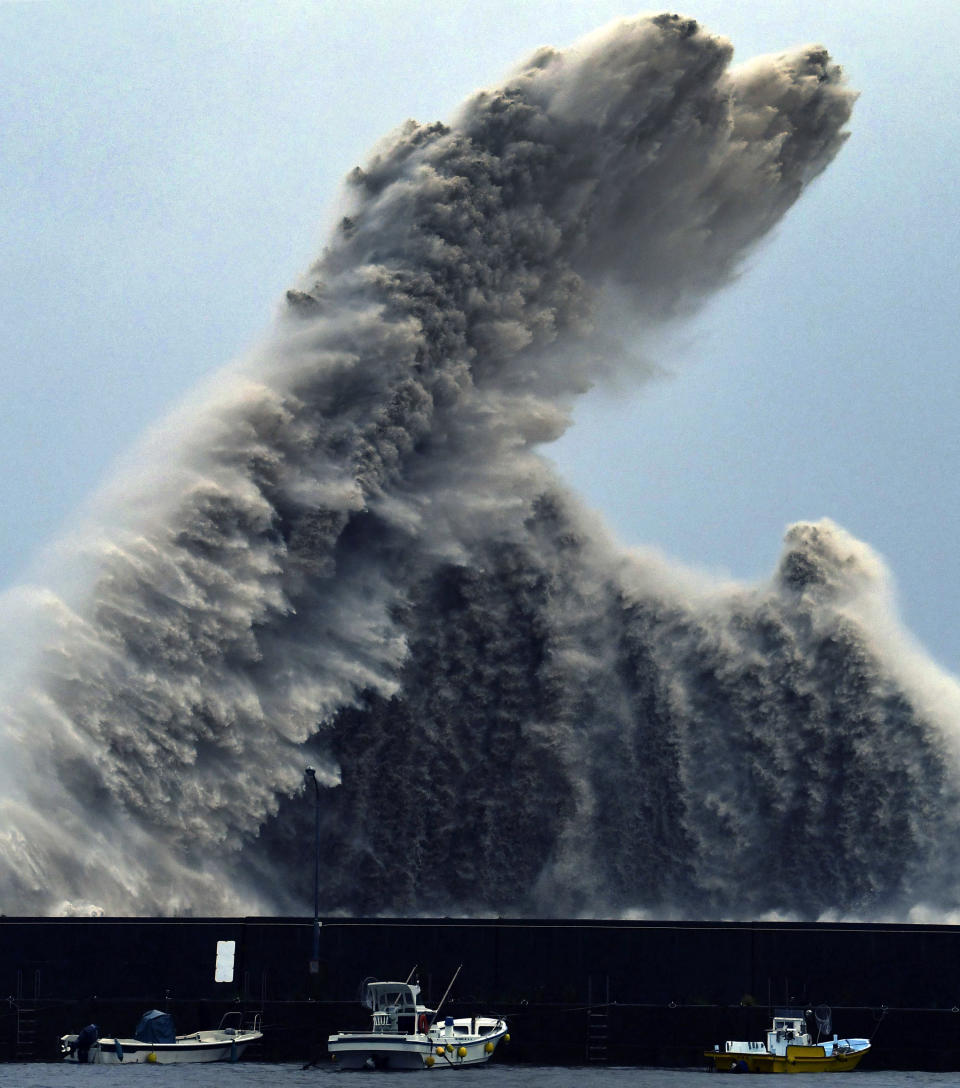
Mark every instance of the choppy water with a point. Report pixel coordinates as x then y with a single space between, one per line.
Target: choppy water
261 1075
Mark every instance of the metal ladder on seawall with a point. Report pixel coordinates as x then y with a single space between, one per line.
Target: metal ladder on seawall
27 1018
253 1051
254 1020
26 1033
597 1020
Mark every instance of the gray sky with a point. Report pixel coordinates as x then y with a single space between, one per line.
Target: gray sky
168 169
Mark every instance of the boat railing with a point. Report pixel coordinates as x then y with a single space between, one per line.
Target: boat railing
235 1022
231 1021
382 1021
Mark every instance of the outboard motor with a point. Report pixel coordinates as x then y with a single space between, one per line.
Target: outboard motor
85 1040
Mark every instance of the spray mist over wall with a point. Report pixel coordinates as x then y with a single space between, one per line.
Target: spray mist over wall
353 555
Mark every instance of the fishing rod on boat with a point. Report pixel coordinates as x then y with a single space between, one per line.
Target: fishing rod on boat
436 1011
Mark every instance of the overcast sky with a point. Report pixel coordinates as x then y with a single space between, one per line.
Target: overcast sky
169 169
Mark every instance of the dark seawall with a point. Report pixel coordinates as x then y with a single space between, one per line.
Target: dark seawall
574 991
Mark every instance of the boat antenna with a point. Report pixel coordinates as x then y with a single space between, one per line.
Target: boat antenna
436 1011
410 976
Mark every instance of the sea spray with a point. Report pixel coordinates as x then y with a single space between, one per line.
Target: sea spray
354 556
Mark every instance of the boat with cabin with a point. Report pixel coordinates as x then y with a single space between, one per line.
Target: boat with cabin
406 1034
790 1048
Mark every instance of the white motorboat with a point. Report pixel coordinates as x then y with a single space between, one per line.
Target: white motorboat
406 1034
155 1041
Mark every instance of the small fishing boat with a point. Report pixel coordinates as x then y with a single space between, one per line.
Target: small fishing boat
789 1048
155 1041
406 1034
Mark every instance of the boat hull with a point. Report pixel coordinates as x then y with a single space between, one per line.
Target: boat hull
797 1059
434 1050
204 1047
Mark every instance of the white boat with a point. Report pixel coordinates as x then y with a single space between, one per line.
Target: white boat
406 1034
155 1041
789 1048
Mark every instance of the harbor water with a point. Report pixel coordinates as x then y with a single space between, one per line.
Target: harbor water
264 1075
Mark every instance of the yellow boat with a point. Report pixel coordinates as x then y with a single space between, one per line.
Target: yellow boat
788 1048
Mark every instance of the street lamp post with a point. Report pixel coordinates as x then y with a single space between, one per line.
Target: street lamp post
311 776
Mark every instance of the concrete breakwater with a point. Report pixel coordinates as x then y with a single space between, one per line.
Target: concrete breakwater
575 991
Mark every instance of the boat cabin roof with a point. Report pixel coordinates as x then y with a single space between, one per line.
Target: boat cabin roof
783 1023
382 995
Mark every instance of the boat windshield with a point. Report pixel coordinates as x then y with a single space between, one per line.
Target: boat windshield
783 1023
789 1020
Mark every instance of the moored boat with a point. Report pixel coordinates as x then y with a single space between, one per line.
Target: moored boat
789 1048
405 1034
155 1041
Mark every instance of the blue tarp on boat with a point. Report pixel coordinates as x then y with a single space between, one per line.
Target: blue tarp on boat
156 1027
